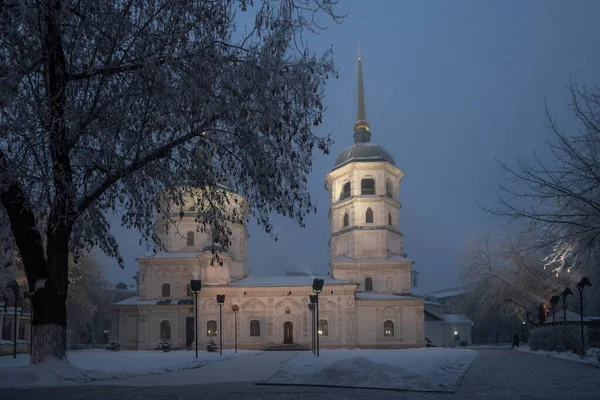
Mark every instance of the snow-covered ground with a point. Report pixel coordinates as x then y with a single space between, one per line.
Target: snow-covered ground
592 356
435 369
97 364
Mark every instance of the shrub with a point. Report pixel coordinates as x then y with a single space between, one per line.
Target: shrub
164 345
113 345
556 338
211 346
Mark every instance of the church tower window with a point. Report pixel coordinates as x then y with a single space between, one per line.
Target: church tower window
211 328
165 330
345 191
369 216
346 220
368 284
165 290
389 189
390 219
255 327
388 328
367 186
190 238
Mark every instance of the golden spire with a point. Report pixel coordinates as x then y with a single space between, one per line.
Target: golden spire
361 115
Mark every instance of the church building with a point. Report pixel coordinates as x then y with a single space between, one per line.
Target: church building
366 300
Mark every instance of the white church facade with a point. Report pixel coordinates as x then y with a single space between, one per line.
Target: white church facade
366 300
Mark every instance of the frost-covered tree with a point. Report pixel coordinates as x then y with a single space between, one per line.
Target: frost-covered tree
119 106
508 277
559 197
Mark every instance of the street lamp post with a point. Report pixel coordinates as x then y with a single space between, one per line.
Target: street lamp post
580 286
564 295
196 286
14 285
523 333
553 302
317 287
221 301
311 307
235 310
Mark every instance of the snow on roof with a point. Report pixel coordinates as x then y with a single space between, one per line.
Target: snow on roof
442 294
345 259
432 303
457 318
135 300
302 280
380 296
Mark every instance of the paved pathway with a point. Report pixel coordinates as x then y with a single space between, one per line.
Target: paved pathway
494 375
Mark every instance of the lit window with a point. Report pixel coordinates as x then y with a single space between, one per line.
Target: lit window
323 328
211 328
388 328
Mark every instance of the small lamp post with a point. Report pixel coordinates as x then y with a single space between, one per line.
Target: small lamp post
580 286
554 302
564 295
317 287
311 307
235 310
196 286
523 332
220 302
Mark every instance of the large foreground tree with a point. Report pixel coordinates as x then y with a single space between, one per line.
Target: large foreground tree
118 106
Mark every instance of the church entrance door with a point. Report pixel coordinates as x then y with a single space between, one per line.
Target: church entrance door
288 333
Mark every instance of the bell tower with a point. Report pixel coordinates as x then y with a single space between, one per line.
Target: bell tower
366 245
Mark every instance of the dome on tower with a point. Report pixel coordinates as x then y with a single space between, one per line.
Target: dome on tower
363 150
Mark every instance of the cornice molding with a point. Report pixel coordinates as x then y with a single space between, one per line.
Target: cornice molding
365 229
365 199
373 265
365 166
379 303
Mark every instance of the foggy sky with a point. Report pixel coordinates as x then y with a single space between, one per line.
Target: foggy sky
450 86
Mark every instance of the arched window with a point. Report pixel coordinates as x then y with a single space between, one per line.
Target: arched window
388 328
367 186
190 238
346 219
165 290
165 330
255 327
345 191
369 216
211 328
390 219
368 284
323 328
389 189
